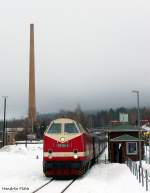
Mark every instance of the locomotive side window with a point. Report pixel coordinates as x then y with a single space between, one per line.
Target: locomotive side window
55 128
70 128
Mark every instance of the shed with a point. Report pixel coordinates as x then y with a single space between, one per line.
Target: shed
123 142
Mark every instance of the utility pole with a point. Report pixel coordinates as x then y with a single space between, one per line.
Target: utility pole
4 123
138 116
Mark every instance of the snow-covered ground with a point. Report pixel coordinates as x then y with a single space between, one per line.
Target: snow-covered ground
21 172
20 168
107 178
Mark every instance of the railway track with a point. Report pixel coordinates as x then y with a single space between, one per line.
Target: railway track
67 186
54 186
39 188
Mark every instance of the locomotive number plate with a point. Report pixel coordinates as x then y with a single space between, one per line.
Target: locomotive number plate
62 145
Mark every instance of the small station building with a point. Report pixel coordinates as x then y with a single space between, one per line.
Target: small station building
123 142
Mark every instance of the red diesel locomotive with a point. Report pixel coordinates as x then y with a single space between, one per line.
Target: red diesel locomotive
69 149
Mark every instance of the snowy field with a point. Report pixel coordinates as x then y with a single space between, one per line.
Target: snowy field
21 172
20 168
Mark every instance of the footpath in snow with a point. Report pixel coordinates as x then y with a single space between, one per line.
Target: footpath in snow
107 178
21 172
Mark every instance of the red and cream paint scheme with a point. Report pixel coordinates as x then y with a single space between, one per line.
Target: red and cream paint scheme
67 153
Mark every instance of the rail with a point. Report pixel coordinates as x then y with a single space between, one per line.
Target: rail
39 188
68 185
47 183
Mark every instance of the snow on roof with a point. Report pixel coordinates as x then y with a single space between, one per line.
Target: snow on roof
15 129
146 128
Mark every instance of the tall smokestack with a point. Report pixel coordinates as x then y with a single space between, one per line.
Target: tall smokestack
32 107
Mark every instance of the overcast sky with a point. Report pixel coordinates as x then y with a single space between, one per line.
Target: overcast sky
92 52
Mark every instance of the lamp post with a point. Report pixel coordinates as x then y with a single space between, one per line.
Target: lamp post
138 116
149 148
4 123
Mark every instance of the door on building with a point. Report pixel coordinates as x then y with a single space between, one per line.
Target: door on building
118 153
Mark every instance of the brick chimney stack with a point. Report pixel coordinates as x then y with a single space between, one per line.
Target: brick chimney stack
32 105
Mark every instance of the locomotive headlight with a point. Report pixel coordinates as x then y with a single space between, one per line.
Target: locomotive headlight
62 139
75 156
75 151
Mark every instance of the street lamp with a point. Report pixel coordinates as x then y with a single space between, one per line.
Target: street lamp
4 124
138 116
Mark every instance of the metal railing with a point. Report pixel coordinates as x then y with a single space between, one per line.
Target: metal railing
140 173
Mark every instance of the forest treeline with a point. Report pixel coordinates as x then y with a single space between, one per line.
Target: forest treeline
87 118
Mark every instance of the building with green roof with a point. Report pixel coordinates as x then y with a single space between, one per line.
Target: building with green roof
123 142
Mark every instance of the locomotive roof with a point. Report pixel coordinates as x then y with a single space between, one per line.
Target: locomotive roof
63 120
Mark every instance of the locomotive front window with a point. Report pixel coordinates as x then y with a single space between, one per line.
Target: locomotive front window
70 128
55 128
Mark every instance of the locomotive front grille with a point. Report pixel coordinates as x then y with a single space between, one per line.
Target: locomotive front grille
56 165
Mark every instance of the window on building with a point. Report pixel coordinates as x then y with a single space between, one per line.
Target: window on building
131 148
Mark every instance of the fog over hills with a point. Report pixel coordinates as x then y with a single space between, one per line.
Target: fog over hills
89 52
